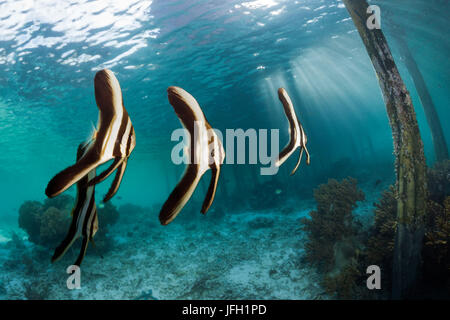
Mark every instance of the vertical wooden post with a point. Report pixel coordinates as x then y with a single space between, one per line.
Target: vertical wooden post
408 149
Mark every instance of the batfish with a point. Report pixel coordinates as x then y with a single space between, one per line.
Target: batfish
205 152
297 136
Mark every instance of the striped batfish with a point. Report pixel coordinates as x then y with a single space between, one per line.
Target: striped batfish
84 214
297 136
205 152
114 140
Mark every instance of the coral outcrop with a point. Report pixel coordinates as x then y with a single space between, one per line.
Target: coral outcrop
53 227
331 228
380 244
47 223
333 233
344 284
377 246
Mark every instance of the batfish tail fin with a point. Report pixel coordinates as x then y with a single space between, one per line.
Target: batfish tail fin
180 195
105 174
209 198
298 162
117 180
69 176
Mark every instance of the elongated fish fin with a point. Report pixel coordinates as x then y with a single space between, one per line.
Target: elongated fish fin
209 198
69 176
308 158
67 242
286 153
116 182
73 234
180 195
298 162
94 131
94 226
105 174
83 249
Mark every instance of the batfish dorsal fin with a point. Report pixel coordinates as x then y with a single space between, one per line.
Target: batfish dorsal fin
108 93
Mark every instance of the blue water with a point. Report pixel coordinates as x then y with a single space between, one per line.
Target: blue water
232 56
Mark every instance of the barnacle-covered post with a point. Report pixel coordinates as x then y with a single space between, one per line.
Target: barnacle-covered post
408 148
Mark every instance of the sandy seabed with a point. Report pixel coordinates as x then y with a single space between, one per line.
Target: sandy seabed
243 255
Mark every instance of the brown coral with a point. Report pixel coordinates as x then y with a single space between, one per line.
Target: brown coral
329 239
345 284
46 223
54 226
63 202
435 252
380 246
332 222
